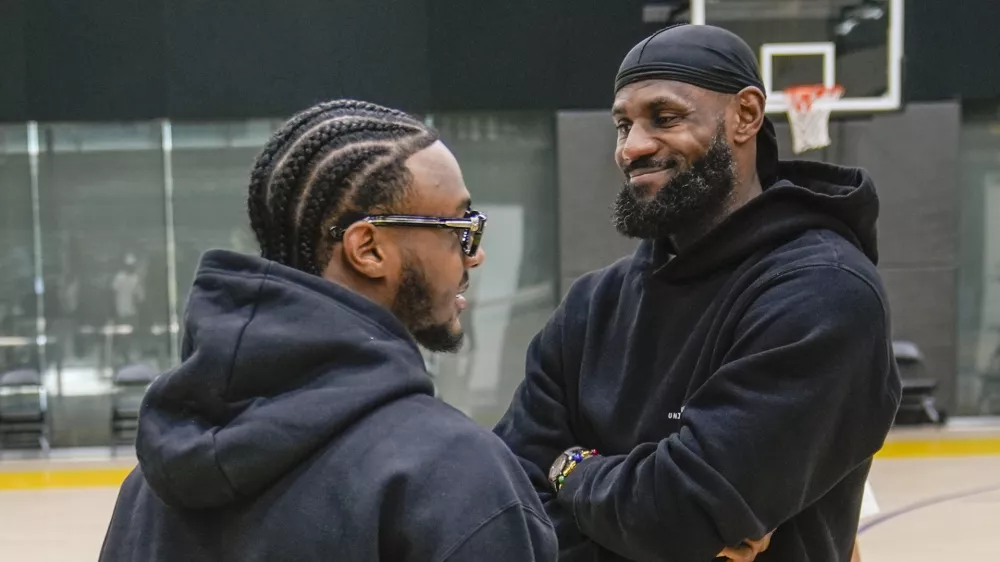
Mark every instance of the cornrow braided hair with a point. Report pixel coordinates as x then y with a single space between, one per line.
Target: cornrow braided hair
330 164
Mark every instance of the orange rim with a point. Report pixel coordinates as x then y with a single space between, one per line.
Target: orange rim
802 97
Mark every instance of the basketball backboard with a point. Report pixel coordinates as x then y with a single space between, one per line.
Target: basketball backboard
857 44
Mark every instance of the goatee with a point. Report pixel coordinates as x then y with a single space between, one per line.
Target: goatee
414 309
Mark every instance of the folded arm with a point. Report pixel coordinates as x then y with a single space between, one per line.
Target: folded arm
806 393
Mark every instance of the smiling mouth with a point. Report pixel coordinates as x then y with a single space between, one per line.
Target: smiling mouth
652 166
640 173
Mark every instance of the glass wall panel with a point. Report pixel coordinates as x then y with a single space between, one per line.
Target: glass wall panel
18 303
509 164
979 268
22 398
211 171
101 190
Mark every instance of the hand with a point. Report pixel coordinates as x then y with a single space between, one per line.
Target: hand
747 551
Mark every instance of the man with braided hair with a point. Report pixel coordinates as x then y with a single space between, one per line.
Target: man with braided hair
301 424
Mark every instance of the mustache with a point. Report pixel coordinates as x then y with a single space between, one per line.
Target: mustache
465 282
651 163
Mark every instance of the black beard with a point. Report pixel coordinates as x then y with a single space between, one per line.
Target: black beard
413 308
692 200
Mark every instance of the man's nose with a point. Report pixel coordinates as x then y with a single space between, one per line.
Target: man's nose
637 145
476 260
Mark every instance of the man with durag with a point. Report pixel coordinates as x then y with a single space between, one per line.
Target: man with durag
734 376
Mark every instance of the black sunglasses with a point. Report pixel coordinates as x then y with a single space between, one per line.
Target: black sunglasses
473 223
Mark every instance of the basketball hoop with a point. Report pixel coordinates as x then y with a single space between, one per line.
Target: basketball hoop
809 115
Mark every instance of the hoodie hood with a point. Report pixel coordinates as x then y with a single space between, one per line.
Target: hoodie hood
276 364
806 196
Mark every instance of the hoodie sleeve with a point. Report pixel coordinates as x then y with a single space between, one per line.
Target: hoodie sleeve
514 533
537 427
805 394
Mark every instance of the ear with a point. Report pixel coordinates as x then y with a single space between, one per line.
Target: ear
364 250
750 104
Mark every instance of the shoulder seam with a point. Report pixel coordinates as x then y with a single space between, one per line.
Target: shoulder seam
823 234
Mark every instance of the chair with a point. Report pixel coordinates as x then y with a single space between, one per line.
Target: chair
129 386
917 405
24 407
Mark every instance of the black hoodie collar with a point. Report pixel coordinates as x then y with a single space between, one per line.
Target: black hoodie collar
809 195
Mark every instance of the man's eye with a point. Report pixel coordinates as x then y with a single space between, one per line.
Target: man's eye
623 128
663 120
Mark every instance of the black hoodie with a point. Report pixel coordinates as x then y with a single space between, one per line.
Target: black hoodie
739 387
301 425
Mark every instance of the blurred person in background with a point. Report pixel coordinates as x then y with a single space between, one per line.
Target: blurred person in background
301 423
735 376
128 288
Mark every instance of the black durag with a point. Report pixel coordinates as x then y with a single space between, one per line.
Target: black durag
708 57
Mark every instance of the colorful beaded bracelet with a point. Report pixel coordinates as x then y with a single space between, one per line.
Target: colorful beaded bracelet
575 458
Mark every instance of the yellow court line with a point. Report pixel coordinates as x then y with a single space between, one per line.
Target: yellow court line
929 448
39 480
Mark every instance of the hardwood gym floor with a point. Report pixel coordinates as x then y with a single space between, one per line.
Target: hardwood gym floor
938 491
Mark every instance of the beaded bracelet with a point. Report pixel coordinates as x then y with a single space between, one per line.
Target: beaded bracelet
574 459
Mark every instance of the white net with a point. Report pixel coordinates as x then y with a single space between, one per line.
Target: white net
809 115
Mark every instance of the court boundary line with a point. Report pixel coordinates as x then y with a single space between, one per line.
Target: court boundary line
922 504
